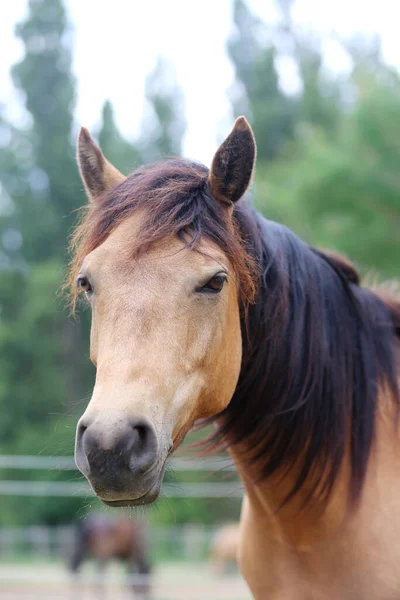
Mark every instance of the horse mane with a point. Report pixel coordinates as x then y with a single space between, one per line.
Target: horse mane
318 349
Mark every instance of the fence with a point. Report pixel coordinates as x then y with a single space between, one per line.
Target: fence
67 463
180 552
33 564
205 489
189 542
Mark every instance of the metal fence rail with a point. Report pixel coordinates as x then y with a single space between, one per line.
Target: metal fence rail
80 489
67 463
205 489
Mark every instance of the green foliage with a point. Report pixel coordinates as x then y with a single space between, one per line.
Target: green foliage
43 375
165 126
257 92
255 49
327 167
124 155
344 193
24 367
328 156
44 76
320 102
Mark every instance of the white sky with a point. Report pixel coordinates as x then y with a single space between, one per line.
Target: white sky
116 44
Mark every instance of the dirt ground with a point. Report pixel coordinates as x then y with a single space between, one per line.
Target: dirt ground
170 582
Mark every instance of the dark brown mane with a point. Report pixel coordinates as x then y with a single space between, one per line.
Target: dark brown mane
320 350
178 202
317 347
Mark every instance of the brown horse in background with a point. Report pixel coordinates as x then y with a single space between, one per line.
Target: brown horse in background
204 309
105 538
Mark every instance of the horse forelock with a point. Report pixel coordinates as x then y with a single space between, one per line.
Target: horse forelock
175 199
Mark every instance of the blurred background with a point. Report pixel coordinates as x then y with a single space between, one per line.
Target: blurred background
320 85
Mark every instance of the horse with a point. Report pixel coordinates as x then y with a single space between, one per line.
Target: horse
105 538
224 547
205 311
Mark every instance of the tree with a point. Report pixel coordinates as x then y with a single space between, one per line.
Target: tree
344 192
320 101
320 98
255 49
44 76
256 91
42 374
164 125
118 150
15 166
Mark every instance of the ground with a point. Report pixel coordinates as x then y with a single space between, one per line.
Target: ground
183 581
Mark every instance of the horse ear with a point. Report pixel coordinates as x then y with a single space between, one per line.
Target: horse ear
98 175
233 164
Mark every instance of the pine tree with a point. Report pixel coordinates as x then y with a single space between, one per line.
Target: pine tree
44 76
320 99
256 91
125 155
164 125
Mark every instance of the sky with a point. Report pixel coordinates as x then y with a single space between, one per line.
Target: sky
116 44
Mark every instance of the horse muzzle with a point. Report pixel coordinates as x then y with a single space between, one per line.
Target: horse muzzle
120 458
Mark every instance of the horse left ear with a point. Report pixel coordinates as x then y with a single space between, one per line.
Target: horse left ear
98 175
232 166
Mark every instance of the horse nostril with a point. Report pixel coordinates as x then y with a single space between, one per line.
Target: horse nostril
143 446
141 434
81 430
81 459
116 453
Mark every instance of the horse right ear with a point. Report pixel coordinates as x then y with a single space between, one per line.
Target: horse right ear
233 164
98 175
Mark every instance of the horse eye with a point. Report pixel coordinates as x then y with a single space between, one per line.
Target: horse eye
83 284
215 284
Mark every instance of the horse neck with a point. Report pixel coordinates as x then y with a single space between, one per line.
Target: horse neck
319 347
299 524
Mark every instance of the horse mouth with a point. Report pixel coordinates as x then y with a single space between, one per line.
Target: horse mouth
147 498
